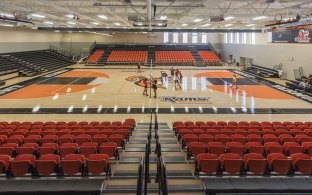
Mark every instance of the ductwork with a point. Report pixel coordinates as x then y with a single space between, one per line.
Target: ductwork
149 14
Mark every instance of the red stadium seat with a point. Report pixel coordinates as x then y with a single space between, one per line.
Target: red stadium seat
273 147
110 149
207 163
49 139
48 164
8 149
22 165
279 163
68 148
255 147
255 163
73 164
196 148
292 148
4 163
231 163
88 148
205 138
97 164
48 148
28 148
216 148
79 139
302 163
235 148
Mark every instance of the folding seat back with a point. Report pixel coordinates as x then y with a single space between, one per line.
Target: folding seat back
99 139
4 163
296 131
6 132
92 131
49 139
255 147
8 149
273 147
68 148
307 147
302 163
35 132
22 164
79 139
109 148
231 163
303 138
18 139
207 163
241 132
76 132
118 123
270 138
199 123
235 148
213 132
216 148
279 163
48 164
97 164
22 132
88 148
123 132
187 138
32 139
282 132
222 138
239 138
2 139
107 131
286 138
205 138
228 132
308 132
73 164
66 139
28 148
198 131
61 132
255 163
48 148
196 148
292 148
118 139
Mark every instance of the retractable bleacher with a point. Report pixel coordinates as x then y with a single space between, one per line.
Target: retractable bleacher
129 56
35 62
174 58
209 57
264 71
94 58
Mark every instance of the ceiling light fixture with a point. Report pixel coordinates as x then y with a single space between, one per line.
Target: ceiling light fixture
227 25
184 24
207 24
248 25
229 18
259 18
47 22
72 23
102 17
70 15
38 15
7 15
163 17
198 20
117 24
95 23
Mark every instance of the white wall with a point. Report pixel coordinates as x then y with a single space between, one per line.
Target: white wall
20 39
269 54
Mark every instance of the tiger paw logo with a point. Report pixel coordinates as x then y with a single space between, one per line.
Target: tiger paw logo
139 80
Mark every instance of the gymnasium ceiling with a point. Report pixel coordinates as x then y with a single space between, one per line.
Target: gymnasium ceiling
180 14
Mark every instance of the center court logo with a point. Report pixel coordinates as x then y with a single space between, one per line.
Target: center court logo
173 99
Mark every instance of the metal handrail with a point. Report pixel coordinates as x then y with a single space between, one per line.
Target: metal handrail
146 171
161 177
140 177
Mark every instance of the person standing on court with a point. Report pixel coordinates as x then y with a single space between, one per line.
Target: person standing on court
145 87
139 68
172 71
154 85
234 81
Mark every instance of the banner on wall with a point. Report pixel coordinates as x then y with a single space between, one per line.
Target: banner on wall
292 36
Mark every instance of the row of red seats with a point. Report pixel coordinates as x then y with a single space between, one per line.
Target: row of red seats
64 125
174 56
253 163
128 56
85 148
209 56
36 135
94 58
218 148
240 123
46 165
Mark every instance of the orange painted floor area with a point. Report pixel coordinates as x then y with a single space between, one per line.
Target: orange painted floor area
84 74
39 91
257 91
223 74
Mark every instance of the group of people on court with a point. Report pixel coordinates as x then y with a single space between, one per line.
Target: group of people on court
153 86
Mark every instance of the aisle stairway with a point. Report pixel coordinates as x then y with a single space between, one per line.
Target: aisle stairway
181 179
